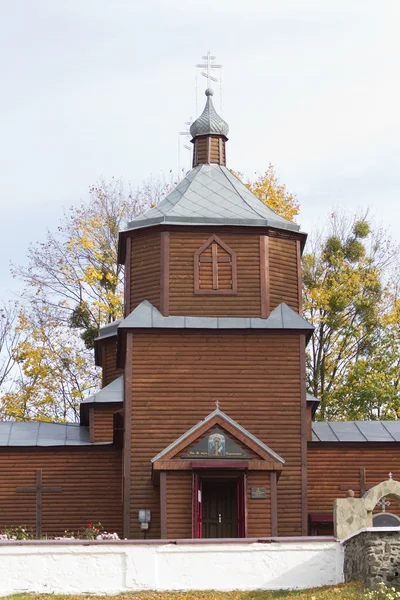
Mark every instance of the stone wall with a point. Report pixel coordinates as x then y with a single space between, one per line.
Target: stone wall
372 555
84 567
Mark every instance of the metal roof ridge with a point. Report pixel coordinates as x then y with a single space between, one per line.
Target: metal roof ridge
331 428
239 193
314 432
384 426
364 436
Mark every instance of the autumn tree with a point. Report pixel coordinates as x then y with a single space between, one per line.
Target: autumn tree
73 286
9 339
346 299
53 370
273 193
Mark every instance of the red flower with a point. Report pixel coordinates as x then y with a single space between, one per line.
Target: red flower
88 526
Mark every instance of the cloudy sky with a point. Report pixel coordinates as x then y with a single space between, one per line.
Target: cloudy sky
101 88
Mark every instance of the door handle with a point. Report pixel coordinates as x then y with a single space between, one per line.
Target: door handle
219 518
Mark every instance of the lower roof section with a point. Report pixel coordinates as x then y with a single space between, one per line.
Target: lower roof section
43 434
356 431
148 316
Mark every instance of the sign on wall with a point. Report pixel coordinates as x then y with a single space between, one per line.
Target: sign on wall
217 444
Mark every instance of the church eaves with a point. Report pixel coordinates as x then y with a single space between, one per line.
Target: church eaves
282 317
211 195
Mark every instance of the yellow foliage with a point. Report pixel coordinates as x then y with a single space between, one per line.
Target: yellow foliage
273 193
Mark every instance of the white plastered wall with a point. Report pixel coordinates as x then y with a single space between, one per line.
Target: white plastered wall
104 568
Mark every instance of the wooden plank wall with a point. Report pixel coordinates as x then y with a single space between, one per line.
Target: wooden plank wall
179 504
109 360
178 376
90 478
101 422
183 245
259 510
145 268
283 272
336 464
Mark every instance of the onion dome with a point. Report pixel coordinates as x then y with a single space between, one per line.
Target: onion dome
209 122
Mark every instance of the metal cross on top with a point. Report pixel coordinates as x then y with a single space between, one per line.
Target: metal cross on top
209 65
39 490
217 404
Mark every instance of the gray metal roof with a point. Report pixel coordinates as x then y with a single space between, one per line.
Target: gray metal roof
211 195
113 392
145 315
109 330
209 122
148 316
311 398
38 433
356 431
229 420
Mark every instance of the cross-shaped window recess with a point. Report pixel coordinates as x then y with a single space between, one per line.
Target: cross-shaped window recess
215 268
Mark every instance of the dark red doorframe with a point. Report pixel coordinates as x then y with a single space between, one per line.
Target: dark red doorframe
241 505
197 514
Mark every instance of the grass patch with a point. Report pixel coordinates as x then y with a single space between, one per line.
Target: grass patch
349 591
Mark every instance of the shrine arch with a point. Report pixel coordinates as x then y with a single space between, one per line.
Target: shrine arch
375 494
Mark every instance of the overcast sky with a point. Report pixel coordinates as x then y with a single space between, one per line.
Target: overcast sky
101 88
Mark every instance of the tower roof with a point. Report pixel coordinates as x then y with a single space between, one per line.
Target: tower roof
211 195
209 122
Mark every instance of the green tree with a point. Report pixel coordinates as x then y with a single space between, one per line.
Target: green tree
345 298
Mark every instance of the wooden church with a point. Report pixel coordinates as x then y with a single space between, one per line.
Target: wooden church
203 427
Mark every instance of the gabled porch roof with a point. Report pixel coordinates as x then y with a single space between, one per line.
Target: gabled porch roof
218 417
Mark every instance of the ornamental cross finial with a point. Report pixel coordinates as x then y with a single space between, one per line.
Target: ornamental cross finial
217 404
390 476
208 65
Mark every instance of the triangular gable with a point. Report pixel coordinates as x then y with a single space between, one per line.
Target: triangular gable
216 443
215 420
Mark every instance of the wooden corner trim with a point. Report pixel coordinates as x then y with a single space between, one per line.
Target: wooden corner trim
303 408
299 277
127 278
127 435
274 504
92 437
264 277
164 273
163 505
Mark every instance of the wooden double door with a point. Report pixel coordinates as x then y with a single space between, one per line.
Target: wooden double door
220 507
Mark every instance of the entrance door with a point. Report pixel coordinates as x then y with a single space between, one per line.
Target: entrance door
219 508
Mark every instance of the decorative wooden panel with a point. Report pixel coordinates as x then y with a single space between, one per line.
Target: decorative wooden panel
179 376
90 479
183 301
109 360
215 270
283 273
145 268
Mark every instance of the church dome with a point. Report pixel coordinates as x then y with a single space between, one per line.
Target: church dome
209 122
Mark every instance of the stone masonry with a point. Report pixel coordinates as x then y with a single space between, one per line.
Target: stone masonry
373 556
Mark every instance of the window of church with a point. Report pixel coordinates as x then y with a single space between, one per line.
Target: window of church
215 268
